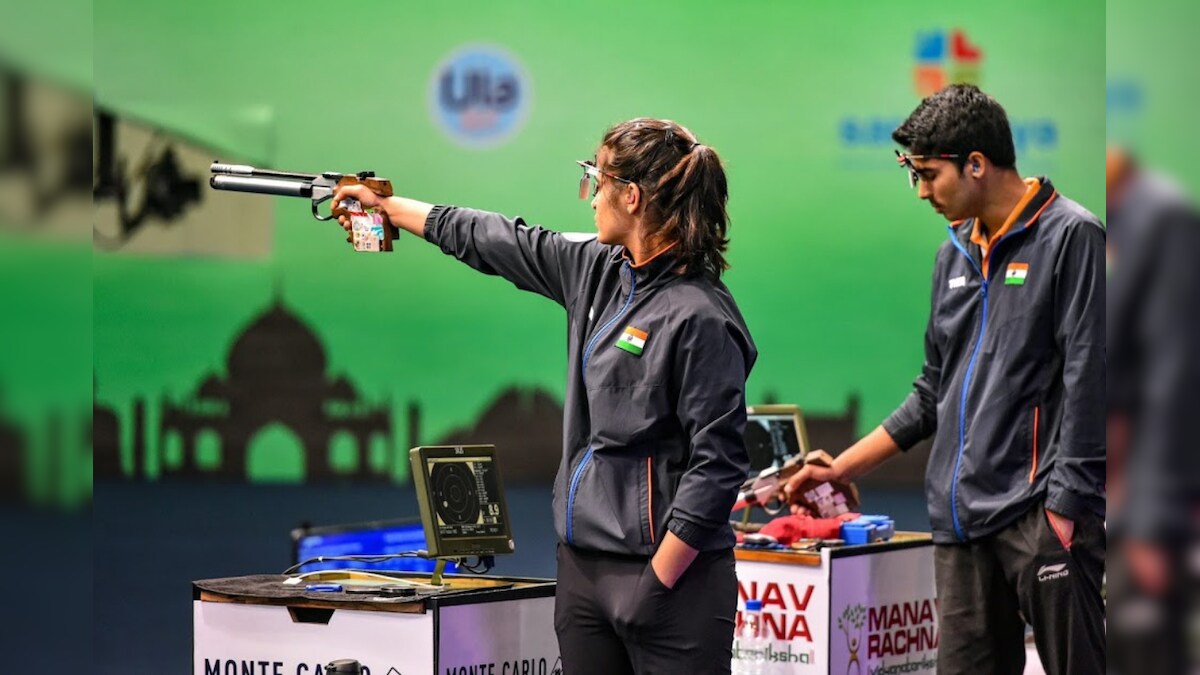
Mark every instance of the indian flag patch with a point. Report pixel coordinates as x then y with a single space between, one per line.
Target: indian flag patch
633 340
1015 274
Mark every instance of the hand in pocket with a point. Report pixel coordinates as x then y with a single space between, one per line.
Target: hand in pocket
1064 528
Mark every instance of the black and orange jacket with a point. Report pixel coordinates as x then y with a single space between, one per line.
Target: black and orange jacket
655 402
1013 385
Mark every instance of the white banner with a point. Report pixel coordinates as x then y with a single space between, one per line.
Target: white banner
233 639
514 637
884 614
795 615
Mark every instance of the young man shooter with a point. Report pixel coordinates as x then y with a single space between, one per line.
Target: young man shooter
1012 391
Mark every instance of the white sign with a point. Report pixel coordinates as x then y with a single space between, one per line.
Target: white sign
509 637
235 639
884 614
795 611
514 637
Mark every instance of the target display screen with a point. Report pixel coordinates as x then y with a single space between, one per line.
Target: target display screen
462 500
463 492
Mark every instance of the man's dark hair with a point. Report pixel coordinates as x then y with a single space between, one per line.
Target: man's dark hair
959 120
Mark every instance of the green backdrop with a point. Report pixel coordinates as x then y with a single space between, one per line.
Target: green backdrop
831 252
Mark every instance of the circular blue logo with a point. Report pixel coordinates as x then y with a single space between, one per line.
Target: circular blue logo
480 95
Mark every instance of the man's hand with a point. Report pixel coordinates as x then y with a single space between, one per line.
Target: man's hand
1063 527
817 469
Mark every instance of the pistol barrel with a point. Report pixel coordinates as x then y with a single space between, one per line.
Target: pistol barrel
222 168
264 185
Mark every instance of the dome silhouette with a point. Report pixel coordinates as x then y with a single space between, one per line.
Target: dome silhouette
276 379
274 343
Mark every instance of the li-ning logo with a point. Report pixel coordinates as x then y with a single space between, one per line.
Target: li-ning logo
945 58
480 95
1051 572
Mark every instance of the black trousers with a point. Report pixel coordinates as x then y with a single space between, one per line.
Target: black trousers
613 616
988 589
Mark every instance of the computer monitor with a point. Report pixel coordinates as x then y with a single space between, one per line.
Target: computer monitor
379 537
461 498
773 434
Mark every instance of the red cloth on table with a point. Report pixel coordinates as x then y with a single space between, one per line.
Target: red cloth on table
791 528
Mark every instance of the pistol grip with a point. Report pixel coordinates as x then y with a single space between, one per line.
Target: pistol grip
381 187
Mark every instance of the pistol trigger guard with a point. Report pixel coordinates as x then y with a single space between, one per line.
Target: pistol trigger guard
318 202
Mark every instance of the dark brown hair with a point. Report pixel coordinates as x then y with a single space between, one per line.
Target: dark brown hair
683 185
